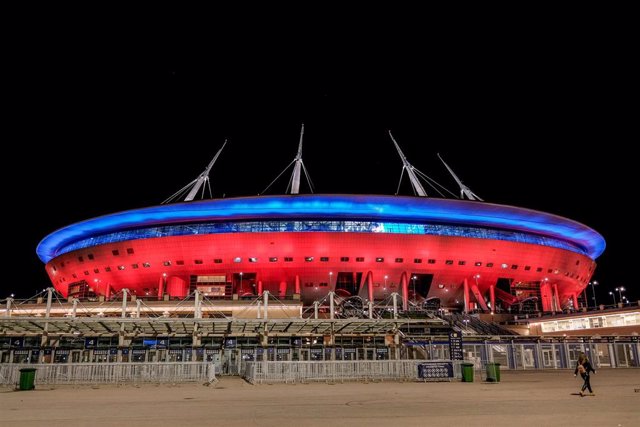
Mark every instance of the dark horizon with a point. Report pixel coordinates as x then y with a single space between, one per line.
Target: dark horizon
110 130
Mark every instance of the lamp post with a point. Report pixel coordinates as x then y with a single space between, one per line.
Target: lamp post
613 296
330 276
594 283
620 290
240 282
413 279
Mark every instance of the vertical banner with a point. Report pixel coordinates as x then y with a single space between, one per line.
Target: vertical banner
455 345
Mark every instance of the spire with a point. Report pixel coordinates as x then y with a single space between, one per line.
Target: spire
464 190
417 186
197 183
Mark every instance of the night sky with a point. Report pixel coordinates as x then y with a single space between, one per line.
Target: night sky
101 127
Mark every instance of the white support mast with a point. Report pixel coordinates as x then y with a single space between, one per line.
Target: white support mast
417 187
295 179
198 183
464 190
298 168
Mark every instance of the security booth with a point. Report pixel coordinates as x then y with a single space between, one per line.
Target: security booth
125 354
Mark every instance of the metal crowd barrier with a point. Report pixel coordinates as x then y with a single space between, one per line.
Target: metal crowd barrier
338 371
111 373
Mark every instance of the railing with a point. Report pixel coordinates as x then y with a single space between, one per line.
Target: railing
110 373
338 371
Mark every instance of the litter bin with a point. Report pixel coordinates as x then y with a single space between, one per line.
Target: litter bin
27 377
467 372
493 372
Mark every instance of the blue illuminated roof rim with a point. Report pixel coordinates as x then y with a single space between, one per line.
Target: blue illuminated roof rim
372 207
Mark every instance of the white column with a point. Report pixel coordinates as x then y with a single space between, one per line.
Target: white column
124 303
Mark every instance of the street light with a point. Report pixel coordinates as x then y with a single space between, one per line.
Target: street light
385 282
594 283
240 282
614 297
620 290
413 279
330 276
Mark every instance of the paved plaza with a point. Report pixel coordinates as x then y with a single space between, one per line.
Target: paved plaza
548 398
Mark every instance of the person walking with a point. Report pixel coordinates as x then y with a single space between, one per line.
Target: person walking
584 368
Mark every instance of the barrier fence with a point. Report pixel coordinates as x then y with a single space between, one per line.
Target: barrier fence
340 371
110 373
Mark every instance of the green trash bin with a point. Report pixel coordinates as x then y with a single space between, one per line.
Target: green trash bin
467 372
493 372
27 378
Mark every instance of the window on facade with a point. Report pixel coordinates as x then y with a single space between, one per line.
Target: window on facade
514 267
96 270
166 263
539 270
237 259
115 252
324 259
121 267
180 262
147 265
90 256
503 265
86 273
54 268
359 259
462 262
399 260
323 284
379 259
478 264
74 276
449 262
217 261
107 269
550 271
273 259
130 251
527 267
253 259
344 259
134 265
197 261
417 260
308 259
489 264
80 259
288 259
431 261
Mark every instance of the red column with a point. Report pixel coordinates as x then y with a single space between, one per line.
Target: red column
369 282
259 287
161 287
297 284
575 301
557 297
404 285
466 296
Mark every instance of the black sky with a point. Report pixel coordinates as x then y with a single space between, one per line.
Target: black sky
539 121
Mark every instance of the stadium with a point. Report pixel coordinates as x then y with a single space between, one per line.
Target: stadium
459 255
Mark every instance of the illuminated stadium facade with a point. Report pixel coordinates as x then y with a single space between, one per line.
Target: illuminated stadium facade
456 254
446 251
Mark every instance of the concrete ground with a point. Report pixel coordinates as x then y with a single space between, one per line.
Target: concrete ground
524 398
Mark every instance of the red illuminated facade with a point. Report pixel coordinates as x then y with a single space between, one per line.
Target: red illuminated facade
445 252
